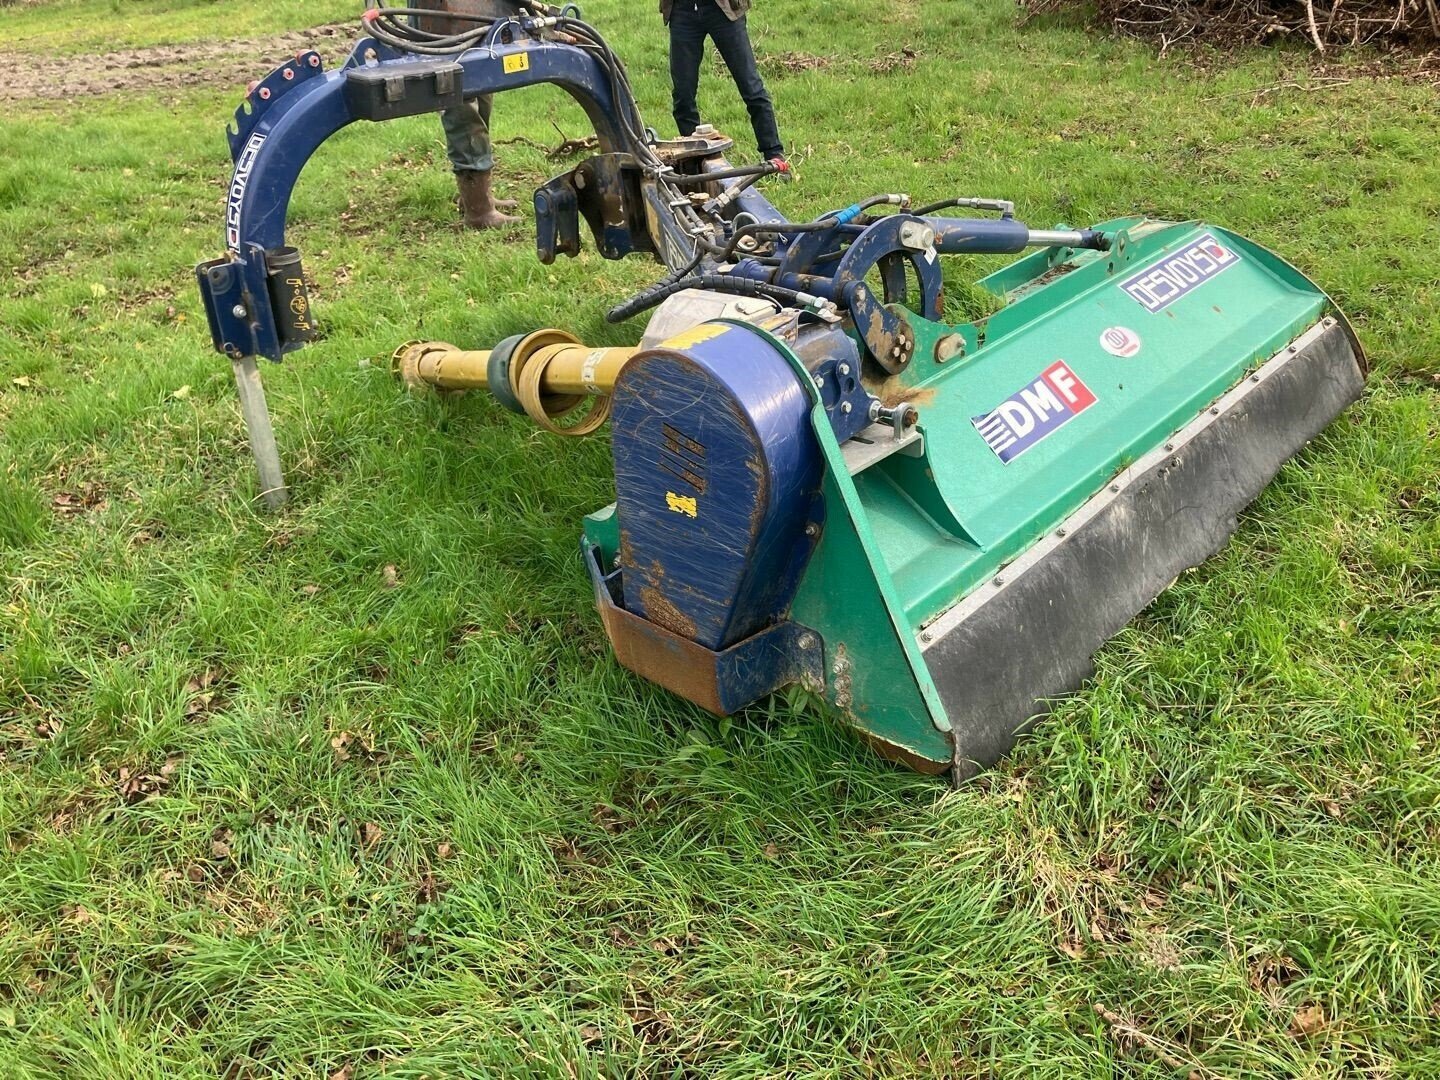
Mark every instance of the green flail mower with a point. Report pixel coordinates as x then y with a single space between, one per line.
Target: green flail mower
932 526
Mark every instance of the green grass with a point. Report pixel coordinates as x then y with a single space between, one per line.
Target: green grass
265 815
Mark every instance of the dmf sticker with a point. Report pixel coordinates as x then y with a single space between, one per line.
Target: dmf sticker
1034 412
1159 285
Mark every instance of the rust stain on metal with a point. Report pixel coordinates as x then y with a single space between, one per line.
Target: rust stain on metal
900 755
754 463
660 610
663 657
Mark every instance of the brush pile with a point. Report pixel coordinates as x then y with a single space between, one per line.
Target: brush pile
1326 24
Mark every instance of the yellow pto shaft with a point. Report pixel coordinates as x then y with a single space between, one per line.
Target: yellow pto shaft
549 374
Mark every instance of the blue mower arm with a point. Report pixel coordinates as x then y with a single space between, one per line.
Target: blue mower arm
254 296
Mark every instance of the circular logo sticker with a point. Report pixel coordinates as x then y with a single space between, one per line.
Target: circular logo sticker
1120 341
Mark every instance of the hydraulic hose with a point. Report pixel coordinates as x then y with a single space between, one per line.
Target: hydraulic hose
726 283
754 172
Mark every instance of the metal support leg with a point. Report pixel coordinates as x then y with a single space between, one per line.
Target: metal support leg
262 435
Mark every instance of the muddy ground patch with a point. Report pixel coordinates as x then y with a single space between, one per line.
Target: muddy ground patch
26 76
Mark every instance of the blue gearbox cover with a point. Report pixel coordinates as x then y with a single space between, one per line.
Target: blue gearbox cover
717 475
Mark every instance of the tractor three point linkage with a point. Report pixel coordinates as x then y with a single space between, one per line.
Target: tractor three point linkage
818 479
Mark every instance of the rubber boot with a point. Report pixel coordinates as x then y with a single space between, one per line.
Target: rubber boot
478 208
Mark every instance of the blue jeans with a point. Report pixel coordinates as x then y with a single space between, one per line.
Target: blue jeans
467 135
691 22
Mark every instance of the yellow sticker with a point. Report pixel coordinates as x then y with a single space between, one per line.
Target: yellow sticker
681 504
514 62
694 336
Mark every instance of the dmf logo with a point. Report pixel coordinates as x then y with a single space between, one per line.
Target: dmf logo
1052 400
238 183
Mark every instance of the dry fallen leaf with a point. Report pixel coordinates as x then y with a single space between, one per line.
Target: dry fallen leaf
444 851
309 590
428 889
390 576
89 498
772 851
200 682
77 913
370 834
199 693
607 818
1309 1020
22 381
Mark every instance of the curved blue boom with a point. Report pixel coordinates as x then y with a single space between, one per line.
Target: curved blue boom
290 113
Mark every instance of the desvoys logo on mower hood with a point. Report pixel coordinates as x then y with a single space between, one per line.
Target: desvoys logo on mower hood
1052 400
1161 284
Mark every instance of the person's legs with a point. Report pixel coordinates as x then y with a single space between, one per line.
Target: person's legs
687 50
467 144
467 135
732 39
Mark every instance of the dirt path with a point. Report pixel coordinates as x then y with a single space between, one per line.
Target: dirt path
27 76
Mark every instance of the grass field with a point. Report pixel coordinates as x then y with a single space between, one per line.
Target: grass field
355 790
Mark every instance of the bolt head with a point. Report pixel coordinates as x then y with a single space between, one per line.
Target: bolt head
807 641
845 406
238 311
812 530
843 369
949 347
